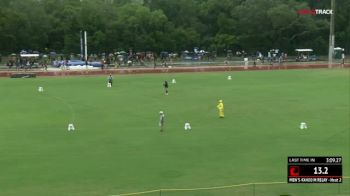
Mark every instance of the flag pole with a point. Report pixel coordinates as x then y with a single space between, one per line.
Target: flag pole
85 44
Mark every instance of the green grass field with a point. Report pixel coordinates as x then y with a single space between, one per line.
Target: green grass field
117 146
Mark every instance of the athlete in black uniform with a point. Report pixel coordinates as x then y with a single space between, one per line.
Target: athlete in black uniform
166 87
110 79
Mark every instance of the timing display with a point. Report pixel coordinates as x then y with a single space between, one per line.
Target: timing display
315 169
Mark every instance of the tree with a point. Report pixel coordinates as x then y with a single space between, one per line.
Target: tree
169 25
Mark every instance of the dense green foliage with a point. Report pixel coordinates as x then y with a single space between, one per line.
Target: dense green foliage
118 148
171 25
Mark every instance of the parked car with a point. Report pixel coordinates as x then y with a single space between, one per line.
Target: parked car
75 63
95 63
82 63
190 56
313 58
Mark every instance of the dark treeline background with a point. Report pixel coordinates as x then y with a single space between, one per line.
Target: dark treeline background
170 25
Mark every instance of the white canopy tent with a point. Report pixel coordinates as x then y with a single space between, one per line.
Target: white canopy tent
29 55
304 50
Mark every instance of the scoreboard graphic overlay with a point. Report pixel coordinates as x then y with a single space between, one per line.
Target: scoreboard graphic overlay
315 170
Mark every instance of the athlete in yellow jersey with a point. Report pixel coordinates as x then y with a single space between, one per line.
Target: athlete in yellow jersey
220 107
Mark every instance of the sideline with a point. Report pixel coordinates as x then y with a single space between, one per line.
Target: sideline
172 70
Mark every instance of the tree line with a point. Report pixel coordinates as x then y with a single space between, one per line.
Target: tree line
169 25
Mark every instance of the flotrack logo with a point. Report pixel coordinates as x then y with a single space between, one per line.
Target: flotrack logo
315 12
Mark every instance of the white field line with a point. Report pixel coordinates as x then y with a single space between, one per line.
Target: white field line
205 188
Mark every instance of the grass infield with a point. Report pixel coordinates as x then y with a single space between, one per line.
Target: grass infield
117 146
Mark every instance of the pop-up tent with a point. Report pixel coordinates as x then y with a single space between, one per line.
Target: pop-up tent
304 54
